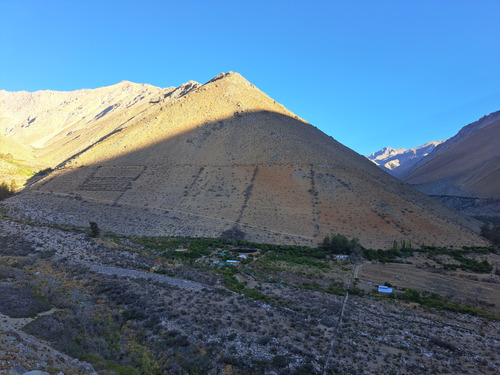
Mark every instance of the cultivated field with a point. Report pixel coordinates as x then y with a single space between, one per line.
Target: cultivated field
469 288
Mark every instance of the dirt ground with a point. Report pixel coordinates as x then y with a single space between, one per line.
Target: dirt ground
462 286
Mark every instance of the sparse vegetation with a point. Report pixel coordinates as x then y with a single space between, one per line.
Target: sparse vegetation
464 263
433 300
7 190
18 300
282 304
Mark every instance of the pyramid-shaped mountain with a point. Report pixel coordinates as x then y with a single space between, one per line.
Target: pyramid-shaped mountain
224 159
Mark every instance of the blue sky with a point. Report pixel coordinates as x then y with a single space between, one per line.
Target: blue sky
369 73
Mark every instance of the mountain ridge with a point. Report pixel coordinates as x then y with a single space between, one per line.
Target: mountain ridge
400 161
464 173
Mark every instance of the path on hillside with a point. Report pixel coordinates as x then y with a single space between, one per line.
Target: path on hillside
125 272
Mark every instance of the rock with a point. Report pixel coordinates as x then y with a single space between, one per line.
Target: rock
17 370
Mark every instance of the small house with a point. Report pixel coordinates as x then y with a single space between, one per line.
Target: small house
242 256
384 289
232 262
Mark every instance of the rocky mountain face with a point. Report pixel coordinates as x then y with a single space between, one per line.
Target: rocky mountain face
399 161
39 130
219 159
464 171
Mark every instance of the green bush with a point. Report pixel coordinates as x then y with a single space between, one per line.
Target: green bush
410 295
94 229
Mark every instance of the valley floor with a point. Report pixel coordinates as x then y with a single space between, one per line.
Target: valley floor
126 305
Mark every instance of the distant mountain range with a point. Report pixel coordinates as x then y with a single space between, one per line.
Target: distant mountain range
218 159
462 172
400 161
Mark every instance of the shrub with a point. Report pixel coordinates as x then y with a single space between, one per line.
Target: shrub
280 361
94 229
410 295
443 344
18 301
6 190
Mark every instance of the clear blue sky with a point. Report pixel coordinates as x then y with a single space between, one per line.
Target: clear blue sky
369 73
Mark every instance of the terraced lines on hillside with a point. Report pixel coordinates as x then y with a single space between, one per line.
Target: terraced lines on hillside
173 211
247 194
130 184
315 204
188 189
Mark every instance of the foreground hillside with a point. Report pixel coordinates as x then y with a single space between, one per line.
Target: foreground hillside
130 305
220 160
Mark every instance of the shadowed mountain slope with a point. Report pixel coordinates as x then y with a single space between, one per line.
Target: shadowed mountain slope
465 171
224 159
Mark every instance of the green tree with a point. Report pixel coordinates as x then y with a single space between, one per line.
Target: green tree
339 244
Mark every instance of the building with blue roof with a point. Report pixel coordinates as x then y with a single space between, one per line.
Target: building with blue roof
384 289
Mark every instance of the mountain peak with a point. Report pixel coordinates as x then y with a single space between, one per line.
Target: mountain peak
400 161
230 79
227 75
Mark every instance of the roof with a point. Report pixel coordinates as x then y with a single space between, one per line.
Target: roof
384 289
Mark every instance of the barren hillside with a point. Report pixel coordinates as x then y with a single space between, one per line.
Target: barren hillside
467 169
224 159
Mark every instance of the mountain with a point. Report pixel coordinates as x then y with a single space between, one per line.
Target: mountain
219 159
464 171
51 121
16 162
399 161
